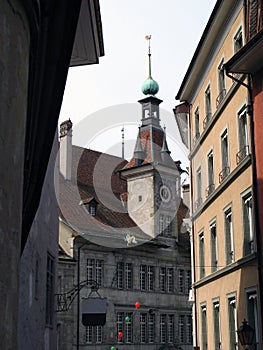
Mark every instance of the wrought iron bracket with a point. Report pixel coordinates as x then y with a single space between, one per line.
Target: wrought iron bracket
64 300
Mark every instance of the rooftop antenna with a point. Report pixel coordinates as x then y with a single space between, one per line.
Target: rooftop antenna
122 143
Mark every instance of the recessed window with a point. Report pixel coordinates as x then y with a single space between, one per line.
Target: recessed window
201 255
221 83
229 237
232 323
216 319
249 244
238 40
139 198
214 254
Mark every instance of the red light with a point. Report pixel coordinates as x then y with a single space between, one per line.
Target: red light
120 335
137 304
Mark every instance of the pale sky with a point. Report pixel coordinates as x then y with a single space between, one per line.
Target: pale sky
94 93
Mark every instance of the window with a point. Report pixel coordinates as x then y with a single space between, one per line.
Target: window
210 167
189 329
188 281
197 125
243 135
166 279
181 329
120 325
232 323
198 188
161 223
147 277
252 313
50 292
147 328
214 254
124 275
208 106
181 281
165 224
143 271
201 255
221 83
216 319
151 272
151 328
238 40
93 334
89 334
143 330
170 329
162 279
128 334
120 275
229 238
128 276
170 279
92 209
168 225
125 327
224 157
95 270
163 333
249 247
204 327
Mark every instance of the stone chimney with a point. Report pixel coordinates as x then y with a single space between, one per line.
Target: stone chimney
65 149
186 195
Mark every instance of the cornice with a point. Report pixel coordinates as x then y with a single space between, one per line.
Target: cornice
223 186
237 265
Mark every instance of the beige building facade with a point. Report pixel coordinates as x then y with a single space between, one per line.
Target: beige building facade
224 252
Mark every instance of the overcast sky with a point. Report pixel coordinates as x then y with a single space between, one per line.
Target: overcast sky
92 91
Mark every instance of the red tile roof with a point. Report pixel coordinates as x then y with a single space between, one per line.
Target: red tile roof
151 139
95 176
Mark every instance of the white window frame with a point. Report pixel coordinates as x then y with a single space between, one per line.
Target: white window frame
229 236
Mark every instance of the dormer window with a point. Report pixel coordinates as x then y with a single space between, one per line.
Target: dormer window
90 205
92 209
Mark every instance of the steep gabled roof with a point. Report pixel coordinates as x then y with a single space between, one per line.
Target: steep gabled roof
95 176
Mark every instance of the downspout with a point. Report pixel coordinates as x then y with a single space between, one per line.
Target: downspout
250 111
193 241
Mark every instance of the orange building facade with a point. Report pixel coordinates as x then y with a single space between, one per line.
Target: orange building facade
224 238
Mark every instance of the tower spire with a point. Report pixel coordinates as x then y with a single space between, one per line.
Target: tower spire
150 86
148 37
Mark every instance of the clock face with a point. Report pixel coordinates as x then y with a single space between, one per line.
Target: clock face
165 193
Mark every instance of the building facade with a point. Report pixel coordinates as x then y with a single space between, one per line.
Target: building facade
37 39
215 108
132 244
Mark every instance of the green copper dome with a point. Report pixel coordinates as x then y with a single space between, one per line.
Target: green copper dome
150 87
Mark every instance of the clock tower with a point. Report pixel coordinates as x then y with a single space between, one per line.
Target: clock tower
153 178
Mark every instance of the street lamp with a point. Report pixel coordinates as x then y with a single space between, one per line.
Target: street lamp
245 334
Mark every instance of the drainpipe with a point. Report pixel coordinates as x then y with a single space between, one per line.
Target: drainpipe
254 185
195 336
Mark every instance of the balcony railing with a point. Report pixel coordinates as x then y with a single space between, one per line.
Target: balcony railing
220 97
242 154
197 135
207 119
224 173
198 203
210 189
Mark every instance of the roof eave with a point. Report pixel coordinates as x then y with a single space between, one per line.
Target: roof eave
249 59
88 44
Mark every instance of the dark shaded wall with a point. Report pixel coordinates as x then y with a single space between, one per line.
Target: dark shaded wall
33 333
14 63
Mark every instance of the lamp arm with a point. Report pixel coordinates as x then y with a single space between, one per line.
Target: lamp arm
64 300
